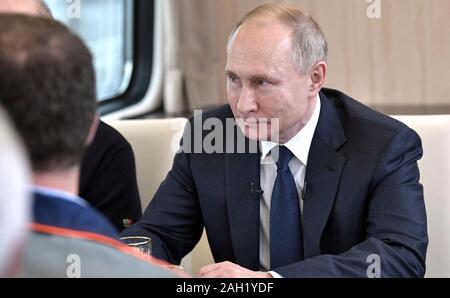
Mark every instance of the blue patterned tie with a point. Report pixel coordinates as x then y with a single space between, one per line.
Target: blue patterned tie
285 217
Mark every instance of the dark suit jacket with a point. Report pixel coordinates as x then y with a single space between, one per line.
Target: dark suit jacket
363 197
108 177
57 212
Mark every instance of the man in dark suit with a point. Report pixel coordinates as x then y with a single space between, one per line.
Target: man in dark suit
108 172
332 189
48 87
108 177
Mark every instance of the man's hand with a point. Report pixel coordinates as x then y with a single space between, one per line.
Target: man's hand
230 270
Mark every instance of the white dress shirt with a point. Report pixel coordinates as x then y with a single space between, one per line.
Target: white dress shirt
299 145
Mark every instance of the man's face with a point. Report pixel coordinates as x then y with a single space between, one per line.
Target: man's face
28 7
263 82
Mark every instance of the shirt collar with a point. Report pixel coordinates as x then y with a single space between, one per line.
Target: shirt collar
299 144
59 194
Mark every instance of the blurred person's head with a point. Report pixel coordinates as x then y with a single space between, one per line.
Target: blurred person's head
276 66
29 7
48 88
14 198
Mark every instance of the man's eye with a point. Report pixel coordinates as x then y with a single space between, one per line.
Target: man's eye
262 82
232 79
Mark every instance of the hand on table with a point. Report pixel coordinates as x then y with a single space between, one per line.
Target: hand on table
230 270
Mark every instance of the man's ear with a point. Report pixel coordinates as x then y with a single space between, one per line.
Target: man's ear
92 130
317 78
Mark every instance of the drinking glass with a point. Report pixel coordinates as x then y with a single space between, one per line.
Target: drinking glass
142 244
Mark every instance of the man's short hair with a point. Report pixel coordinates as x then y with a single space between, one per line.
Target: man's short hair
48 87
308 40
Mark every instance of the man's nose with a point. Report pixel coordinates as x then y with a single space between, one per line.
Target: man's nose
247 101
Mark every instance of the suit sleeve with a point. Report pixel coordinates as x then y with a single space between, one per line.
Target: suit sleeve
173 219
396 221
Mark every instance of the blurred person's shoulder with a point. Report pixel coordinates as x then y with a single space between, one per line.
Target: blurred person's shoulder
108 137
58 253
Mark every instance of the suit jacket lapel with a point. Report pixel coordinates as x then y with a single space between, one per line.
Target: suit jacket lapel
323 174
242 169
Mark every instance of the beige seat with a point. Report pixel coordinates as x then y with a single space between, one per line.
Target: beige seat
434 131
154 142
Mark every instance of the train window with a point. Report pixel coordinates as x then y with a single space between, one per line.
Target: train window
107 29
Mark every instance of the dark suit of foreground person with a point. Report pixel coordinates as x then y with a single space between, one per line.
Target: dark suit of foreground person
48 87
361 201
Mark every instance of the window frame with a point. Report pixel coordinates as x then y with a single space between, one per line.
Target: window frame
142 59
